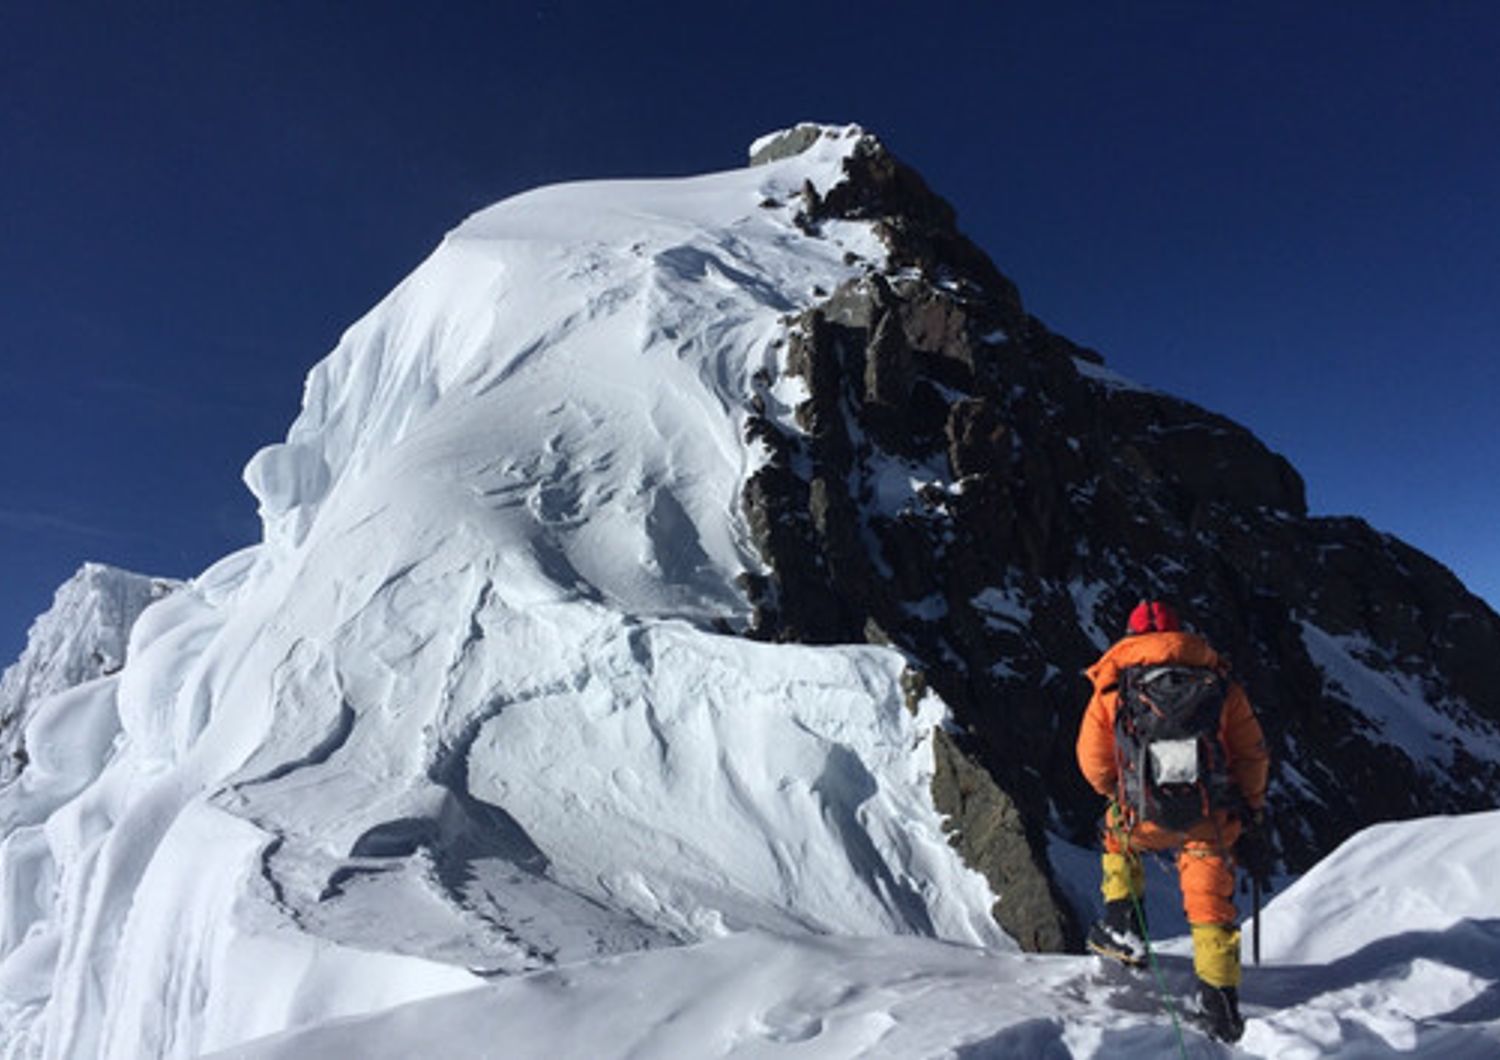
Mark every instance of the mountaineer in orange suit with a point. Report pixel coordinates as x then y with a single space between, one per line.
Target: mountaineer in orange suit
1193 780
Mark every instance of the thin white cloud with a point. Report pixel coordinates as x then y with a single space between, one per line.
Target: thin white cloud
47 523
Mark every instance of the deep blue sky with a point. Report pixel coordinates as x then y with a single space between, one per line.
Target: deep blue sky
1285 212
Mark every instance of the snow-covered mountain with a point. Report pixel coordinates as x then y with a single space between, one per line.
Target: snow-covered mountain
475 706
80 640
967 485
503 741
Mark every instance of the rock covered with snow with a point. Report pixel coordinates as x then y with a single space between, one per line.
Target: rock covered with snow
478 703
951 477
80 639
787 143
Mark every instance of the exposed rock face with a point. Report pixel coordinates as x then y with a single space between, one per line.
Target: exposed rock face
988 830
980 492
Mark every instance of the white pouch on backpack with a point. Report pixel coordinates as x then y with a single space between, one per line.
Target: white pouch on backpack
1174 761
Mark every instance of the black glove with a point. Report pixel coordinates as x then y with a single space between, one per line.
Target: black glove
1252 851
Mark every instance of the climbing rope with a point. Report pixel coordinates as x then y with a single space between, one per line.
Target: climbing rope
1161 986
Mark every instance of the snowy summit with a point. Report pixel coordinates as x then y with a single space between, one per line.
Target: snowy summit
470 758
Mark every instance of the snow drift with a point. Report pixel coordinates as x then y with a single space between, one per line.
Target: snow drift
475 705
1371 954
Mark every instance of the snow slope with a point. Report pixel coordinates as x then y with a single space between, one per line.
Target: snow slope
1391 946
1396 706
474 706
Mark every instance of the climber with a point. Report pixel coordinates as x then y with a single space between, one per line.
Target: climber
1172 742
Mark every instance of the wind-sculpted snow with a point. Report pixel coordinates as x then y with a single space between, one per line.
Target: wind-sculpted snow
476 705
1371 954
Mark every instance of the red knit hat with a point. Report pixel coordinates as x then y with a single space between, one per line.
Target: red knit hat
1153 616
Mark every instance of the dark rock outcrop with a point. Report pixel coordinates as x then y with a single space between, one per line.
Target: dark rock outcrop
976 490
989 831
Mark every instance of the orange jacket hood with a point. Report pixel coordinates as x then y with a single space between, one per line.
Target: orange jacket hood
1153 649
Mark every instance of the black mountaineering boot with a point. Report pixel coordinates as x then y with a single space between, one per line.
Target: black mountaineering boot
1118 935
1219 1007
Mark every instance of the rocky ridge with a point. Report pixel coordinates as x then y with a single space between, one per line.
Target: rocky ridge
961 482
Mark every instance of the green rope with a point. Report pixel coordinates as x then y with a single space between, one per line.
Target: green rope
1161 986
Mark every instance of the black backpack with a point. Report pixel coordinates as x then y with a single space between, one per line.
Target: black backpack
1172 766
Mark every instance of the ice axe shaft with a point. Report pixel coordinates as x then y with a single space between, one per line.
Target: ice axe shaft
1255 918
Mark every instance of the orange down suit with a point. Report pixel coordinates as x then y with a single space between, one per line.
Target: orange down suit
1203 864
